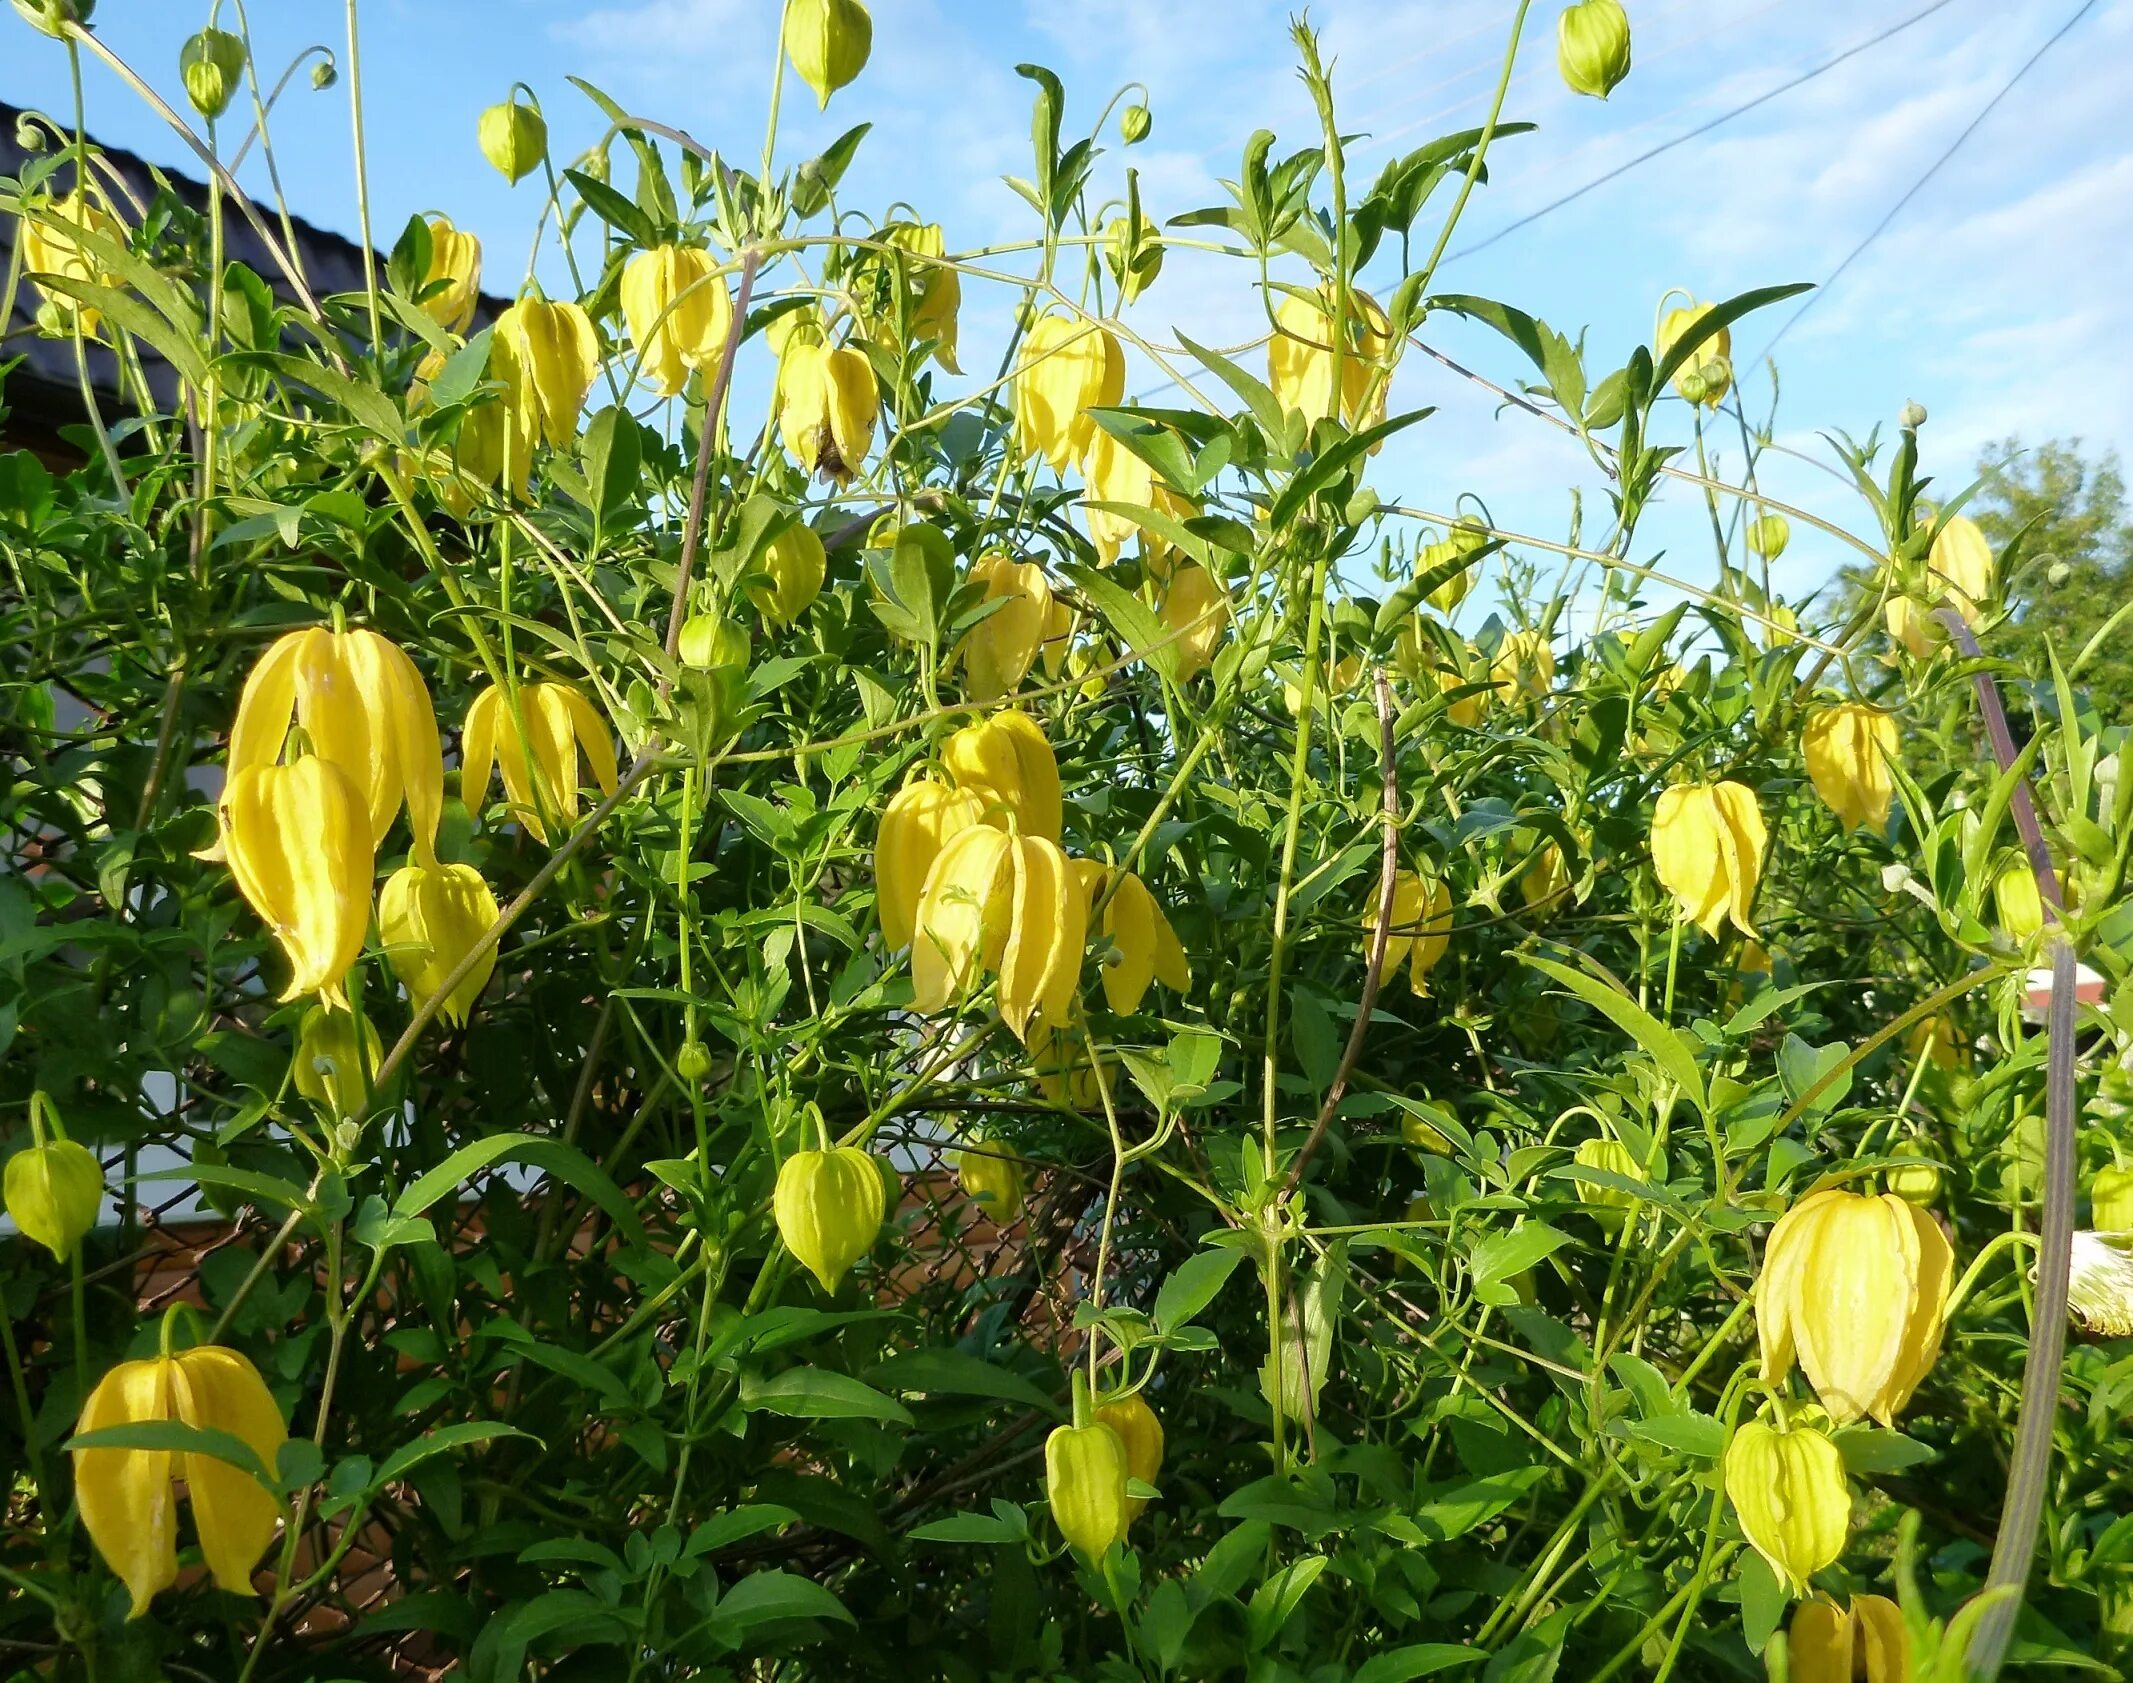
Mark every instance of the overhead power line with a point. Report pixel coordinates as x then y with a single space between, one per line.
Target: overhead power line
1800 80
1918 186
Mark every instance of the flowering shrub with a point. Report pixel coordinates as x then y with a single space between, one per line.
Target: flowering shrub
994 1025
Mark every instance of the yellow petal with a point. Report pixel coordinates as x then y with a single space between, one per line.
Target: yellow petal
1819 1643
1857 1284
125 1495
962 901
1887 1639
267 703
233 1513
477 749
1047 929
1130 922
915 826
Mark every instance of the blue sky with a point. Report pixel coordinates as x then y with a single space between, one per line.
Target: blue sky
2000 298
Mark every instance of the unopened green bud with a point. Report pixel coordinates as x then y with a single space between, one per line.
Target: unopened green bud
29 134
709 641
1592 47
324 74
1134 123
53 1191
1768 534
1913 417
210 63
53 16
514 139
693 1061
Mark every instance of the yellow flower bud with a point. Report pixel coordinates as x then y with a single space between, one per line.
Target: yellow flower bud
2111 1200
829 1207
430 917
127 1496
1546 881
1300 359
1707 375
997 652
1849 748
1085 1473
1145 947
299 845
991 1180
1609 1204
455 273
1134 123
51 245
930 292
559 722
678 312
1005 761
514 138
1194 605
1142 1434
53 1190
1115 474
1523 666
827 402
209 64
546 355
1857 1288
1788 1489
796 565
1064 367
362 703
335 1053
1767 536
1916 1180
1133 266
1340 680
1421 925
709 642
1592 47
1911 626
915 826
1707 848
828 42
2019 901
1830 1644
1004 904
1961 562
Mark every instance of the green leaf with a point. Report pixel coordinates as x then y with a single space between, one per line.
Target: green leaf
969 1528
815 1393
1324 469
751 1519
954 1373
442 1440
1417 1659
1500 1256
176 1436
612 208
1660 1043
365 404
763 1598
1718 316
565 1162
1132 619
1258 397
1192 1286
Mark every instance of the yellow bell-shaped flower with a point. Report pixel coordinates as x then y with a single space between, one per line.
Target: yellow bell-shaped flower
2111 1200
1546 881
2019 901
51 245
559 722
829 1206
1910 626
1868 1642
827 404
908 273
997 652
1856 1288
795 563
1338 680
514 138
1849 748
1523 666
678 313
1064 367
1196 607
546 355
1767 535
1007 905
453 280
1145 948
991 1179
362 704
1707 847
1085 1473
53 1189
1115 474
1066 1074
828 42
298 843
431 917
915 826
1300 359
1707 375
1421 925
1592 47
1142 1434
127 1496
335 1050
1005 761
1608 1203
1961 562
1788 1489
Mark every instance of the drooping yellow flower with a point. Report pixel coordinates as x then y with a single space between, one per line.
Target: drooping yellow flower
1085 1473
1961 562
127 1498
1831 1644
1144 947
298 843
1435 671
1608 1203
1849 748
335 1051
1195 606
1066 1075
1523 666
1007 905
1421 925
1064 367
796 563
1767 535
678 313
1546 880
1300 358
53 1189
546 355
827 403
997 652
915 826
1142 1434
1338 680
1788 1489
431 916
361 702
1707 374
1707 847
559 722
487 442
828 1206
51 245
455 272
1592 46
1006 762
2019 901
514 138
909 271
991 1179
1115 474
1911 626
828 42
2111 1200
1856 1287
